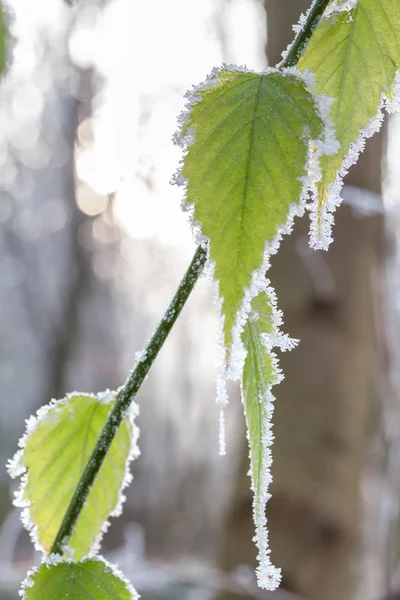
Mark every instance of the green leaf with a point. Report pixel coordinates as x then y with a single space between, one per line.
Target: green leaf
55 451
90 579
354 55
260 373
247 137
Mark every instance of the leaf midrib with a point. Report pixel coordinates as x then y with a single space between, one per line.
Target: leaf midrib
247 177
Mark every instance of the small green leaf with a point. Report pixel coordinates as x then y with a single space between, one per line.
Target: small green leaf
354 55
247 136
90 579
260 373
55 451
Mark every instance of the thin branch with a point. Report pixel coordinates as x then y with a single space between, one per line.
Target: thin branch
128 393
313 17
125 398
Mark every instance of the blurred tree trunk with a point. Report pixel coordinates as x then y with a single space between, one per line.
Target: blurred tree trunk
325 405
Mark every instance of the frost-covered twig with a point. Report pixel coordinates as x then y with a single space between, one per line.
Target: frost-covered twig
125 398
304 32
129 391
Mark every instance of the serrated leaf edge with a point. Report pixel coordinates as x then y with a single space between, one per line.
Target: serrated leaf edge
16 468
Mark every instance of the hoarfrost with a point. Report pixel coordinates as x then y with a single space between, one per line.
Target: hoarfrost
231 361
338 6
298 28
268 576
322 218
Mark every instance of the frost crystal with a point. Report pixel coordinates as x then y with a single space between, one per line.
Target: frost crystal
338 6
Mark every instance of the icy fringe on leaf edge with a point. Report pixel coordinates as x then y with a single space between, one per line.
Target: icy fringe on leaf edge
322 218
16 468
268 576
326 145
55 559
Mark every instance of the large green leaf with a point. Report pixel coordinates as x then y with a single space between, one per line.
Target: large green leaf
247 136
354 55
55 451
260 373
90 579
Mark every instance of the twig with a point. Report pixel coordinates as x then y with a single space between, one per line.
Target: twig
128 393
125 398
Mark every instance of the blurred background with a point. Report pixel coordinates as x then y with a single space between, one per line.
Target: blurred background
93 245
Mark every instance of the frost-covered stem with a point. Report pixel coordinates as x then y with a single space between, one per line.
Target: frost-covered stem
125 398
313 17
129 391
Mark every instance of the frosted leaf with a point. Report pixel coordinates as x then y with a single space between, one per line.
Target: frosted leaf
89 579
261 371
221 120
354 54
53 453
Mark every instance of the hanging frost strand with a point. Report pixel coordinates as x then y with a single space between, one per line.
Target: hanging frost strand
260 373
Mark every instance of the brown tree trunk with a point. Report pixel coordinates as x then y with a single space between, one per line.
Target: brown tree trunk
324 405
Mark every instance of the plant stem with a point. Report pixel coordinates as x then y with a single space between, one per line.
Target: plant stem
125 398
129 391
314 16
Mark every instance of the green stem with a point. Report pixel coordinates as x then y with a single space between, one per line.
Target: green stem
125 398
129 391
314 16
